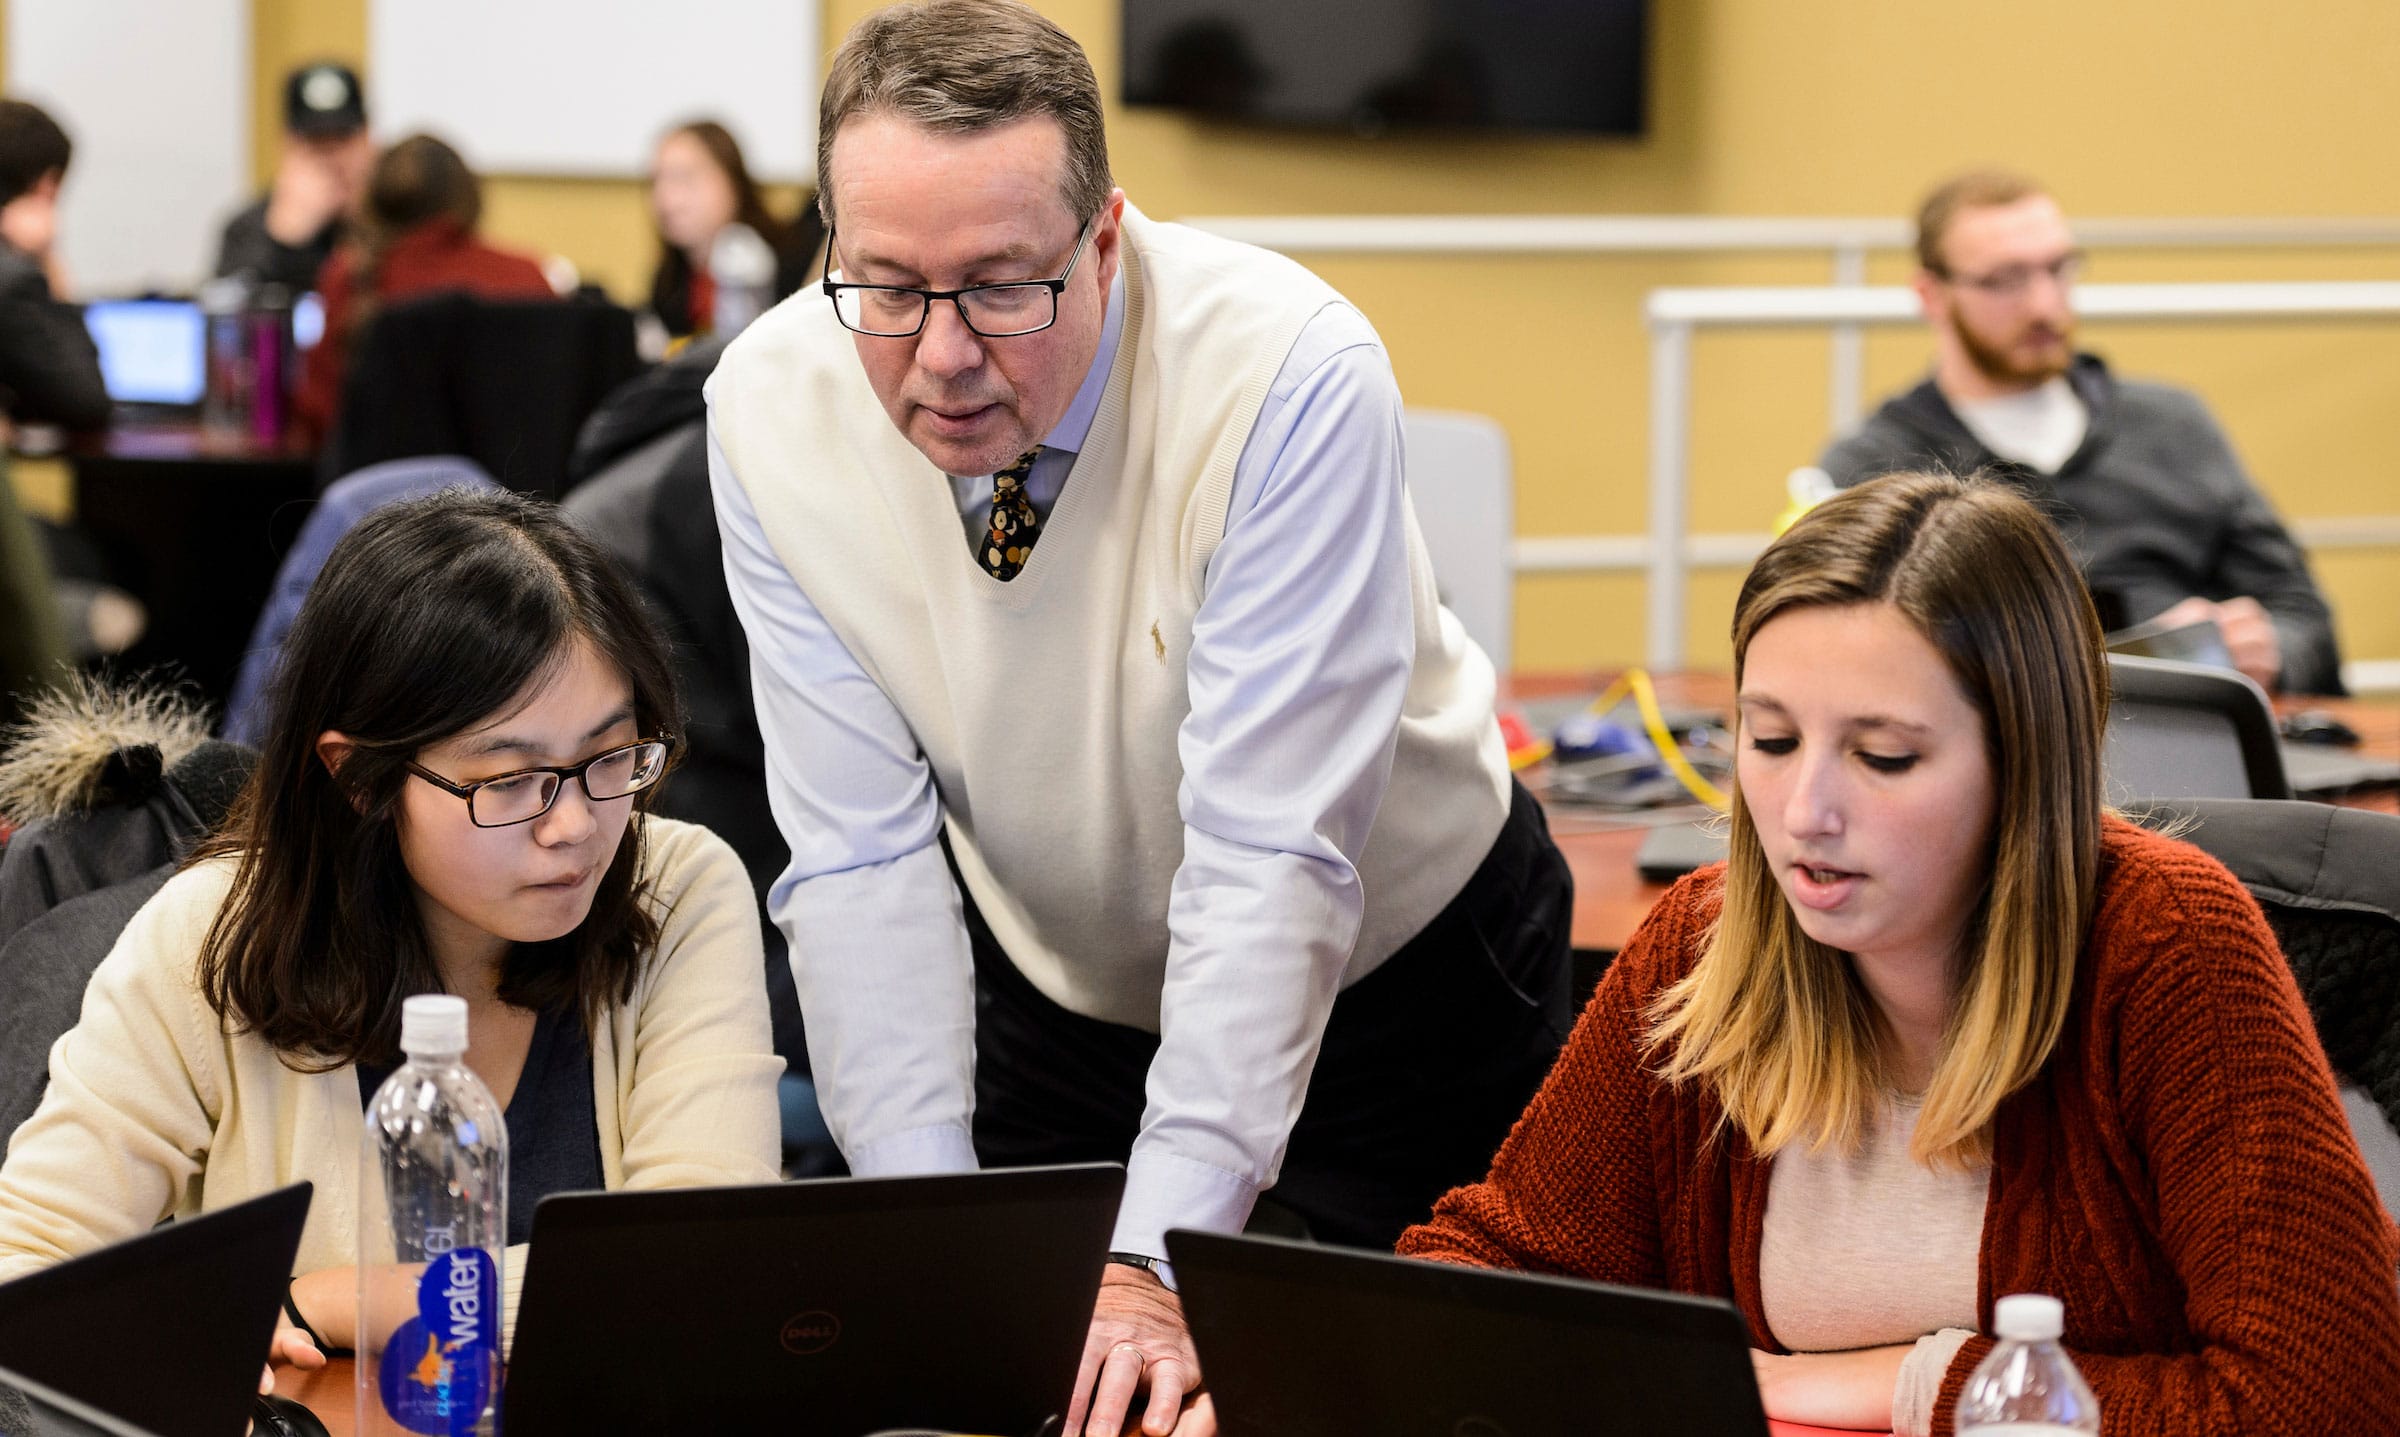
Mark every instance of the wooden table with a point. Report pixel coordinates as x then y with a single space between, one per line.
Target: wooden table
327 1392
1611 897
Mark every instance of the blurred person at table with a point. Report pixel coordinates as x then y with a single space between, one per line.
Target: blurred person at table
474 711
49 367
289 233
699 184
2164 520
1943 1028
49 373
415 236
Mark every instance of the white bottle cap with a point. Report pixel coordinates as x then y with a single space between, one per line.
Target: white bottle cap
433 1025
739 256
2026 1317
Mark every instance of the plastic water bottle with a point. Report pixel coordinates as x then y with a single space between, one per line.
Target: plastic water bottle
429 1261
742 266
225 399
2027 1386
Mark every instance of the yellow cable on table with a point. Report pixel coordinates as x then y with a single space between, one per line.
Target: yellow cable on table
1645 698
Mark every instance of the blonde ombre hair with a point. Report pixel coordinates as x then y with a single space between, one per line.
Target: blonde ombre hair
1778 1025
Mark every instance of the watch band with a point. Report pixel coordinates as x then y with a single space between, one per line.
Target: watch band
1150 1265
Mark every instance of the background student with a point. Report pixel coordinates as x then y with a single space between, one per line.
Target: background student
321 167
416 236
699 184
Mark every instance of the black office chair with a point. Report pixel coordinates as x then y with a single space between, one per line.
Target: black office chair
2178 731
506 383
2329 880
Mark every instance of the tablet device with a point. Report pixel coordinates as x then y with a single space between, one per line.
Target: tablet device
2197 643
1671 850
166 1331
838 1307
1337 1343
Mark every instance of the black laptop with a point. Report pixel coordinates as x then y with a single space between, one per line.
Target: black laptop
1338 1343
28 1409
166 1331
843 1307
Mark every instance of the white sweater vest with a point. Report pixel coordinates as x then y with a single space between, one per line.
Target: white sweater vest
1059 787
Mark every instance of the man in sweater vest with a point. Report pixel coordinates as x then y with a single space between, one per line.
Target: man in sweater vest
1144 802
2162 516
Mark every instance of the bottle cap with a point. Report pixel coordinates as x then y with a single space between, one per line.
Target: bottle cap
433 1025
739 256
2029 1317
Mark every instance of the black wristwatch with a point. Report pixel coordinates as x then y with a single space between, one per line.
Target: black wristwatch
1150 1265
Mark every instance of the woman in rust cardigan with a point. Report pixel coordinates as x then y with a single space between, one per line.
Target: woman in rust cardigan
1942 1030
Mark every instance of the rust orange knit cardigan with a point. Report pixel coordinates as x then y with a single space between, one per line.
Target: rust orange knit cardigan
2180 1172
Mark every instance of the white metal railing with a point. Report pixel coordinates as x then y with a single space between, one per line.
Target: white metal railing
1846 242
1675 314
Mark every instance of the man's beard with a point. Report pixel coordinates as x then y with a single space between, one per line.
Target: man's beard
1999 364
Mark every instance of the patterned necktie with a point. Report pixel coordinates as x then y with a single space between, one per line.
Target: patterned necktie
1009 542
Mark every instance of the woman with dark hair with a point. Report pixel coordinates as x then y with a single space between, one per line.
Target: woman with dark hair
474 713
1943 1029
415 236
699 184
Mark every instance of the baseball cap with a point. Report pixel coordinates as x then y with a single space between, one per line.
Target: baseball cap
323 99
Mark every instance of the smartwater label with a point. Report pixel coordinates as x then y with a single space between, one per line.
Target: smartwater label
437 1370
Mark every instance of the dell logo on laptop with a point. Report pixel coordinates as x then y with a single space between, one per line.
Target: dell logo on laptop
811 1333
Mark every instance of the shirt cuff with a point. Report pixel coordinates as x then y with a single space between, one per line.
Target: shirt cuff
946 1148
1165 1191
1920 1384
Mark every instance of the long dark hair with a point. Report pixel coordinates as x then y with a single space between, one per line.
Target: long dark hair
418 181
671 282
428 617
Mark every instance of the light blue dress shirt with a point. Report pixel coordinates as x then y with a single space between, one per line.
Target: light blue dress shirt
1301 655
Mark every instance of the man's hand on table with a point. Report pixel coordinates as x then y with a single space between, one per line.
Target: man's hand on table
1138 1342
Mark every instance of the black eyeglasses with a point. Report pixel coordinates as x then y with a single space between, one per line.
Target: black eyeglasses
522 795
995 311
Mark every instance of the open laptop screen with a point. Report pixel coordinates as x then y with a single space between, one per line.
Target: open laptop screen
152 351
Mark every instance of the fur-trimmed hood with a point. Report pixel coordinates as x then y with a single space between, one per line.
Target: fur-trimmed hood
91 742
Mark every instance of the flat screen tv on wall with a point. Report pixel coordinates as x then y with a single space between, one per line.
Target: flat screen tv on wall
1377 66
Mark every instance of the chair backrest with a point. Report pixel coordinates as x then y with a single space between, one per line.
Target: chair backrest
2329 880
1464 491
350 499
2180 730
506 383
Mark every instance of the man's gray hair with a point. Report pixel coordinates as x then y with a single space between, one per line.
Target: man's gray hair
958 66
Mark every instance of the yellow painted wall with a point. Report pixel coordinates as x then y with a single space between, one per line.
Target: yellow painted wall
2220 107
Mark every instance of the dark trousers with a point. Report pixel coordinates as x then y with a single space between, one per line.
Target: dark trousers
1426 1063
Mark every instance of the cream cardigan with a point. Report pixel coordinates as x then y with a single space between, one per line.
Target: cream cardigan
154 1110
